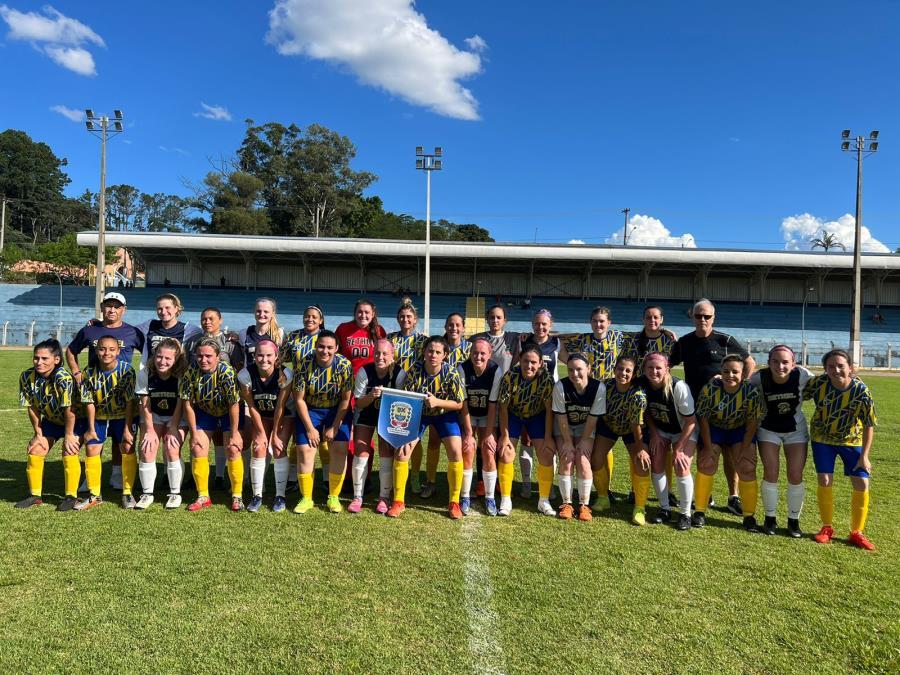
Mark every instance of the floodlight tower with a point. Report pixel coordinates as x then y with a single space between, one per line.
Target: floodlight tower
428 163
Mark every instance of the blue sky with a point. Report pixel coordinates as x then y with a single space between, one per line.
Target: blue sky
716 120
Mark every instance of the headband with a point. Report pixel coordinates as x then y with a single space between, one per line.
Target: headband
578 357
657 356
779 347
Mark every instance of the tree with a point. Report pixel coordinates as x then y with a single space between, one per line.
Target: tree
828 241
121 207
67 257
160 212
232 201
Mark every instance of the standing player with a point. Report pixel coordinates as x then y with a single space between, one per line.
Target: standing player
266 328
542 325
843 425
652 339
167 325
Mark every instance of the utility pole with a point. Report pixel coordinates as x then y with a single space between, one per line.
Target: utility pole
2 221
626 211
428 163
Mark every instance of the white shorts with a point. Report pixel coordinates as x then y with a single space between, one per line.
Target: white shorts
673 438
161 419
575 431
786 438
481 422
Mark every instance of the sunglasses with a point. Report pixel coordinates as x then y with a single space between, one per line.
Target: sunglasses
705 317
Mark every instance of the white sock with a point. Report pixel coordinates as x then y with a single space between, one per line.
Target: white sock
466 483
490 483
147 472
769 498
385 477
291 471
325 472
257 475
360 464
565 488
661 487
795 495
526 461
175 472
282 474
220 461
584 490
685 492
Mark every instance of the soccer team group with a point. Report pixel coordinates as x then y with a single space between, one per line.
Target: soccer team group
261 397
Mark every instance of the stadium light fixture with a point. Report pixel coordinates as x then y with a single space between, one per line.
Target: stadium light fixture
89 112
117 114
428 163
845 145
845 133
873 146
419 151
89 125
873 135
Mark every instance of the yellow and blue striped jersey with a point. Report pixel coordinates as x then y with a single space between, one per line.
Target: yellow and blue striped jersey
323 387
446 384
525 398
109 390
297 346
730 411
459 353
602 353
637 347
49 396
624 409
840 415
213 393
407 348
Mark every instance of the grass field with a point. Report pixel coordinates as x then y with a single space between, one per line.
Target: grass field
111 590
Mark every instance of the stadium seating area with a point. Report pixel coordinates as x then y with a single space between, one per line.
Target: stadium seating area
760 326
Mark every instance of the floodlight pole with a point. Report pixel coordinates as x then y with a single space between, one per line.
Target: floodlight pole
428 163
626 211
803 350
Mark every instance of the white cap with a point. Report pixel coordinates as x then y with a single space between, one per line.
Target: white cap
114 296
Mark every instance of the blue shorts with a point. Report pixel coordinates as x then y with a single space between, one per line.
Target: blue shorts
824 456
114 429
100 427
322 418
446 424
723 437
604 430
52 430
536 425
207 422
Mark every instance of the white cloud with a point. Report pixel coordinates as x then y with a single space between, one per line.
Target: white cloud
476 43
214 112
177 151
60 37
576 241
68 113
386 44
800 229
648 231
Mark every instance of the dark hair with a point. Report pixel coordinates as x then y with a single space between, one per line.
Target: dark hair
837 352
51 345
437 339
578 356
531 347
730 358
209 342
212 309
107 337
643 340
321 312
492 308
450 316
600 309
373 324
327 334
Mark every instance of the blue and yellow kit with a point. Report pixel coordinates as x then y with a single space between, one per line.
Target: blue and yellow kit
49 396
624 410
730 411
323 387
297 346
525 398
213 393
602 353
109 390
446 384
407 348
840 415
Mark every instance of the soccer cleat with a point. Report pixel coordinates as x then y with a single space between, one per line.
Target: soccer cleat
638 517
199 503
396 509
584 513
173 501
825 535
566 512
769 525
673 501
601 504
279 504
505 506
128 502
750 524
334 504
355 506
479 489
67 504
698 520
219 483
544 508
454 511
88 502
428 490
144 502
381 507
465 505
255 504
237 504
661 516
303 505
684 522
490 506
793 528
859 540
734 506
416 484
28 502
292 487
525 490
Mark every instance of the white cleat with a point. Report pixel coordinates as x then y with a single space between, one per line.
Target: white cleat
173 502
545 508
144 502
505 506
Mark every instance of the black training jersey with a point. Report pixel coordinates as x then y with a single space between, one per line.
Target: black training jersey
366 380
784 411
578 406
549 353
162 393
668 411
154 333
702 357
264 392
480 389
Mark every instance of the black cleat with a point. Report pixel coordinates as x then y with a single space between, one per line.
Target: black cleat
684 522
750 524
630 498
793 528
28 502
612 499
661 516
698 520
769 525
673 501
67 504
734 506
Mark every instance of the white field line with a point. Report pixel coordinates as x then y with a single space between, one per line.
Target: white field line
478 592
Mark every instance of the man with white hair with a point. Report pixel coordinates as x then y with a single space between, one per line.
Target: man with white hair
702 352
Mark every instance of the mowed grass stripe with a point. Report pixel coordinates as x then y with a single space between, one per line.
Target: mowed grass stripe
484 640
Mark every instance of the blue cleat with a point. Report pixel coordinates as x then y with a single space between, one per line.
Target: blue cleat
255 504
490 506
279 505
465 505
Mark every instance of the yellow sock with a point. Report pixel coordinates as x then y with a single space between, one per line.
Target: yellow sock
610 461
859 510
200 469
748 490
92 470
505 473
670 469
324 453
236 475
601 481
641 490
431 463
306 485
129 472
72 473
454 479
702 490
335 483
825 498
545 480
34 471
401 474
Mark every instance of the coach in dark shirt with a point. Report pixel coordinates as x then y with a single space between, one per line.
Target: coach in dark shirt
702 352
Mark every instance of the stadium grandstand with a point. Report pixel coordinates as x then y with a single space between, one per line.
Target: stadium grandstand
763 297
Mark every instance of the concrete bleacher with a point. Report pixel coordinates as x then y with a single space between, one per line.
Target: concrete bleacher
22 306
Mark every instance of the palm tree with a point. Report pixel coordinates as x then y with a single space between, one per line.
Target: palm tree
828 241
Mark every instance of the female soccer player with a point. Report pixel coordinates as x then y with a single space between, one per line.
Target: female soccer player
525 398
266 328
323 384
729 410
843 425
211 402
161 420
265 388
671 431
47 389
440 381
782 385
481 378
542 325
625 406
356 339
578 401
166 325
652 339
370 379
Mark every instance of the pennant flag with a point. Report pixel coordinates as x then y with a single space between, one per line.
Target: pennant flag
400 413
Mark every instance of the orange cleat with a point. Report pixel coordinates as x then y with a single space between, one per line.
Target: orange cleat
859 540
396 509
200 503
455 512
584 513
566 512
826 534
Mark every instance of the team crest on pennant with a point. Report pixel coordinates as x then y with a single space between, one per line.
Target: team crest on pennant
399 415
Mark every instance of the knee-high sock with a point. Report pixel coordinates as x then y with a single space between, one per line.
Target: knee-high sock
859 510
257 475
466 483
34 471
610 462
769 497
415 461
147 472
641 490
129 472
72 473
702 489
505 472
335 483
454 479
306 485
748 491
432 458
325 458
565 488
670 469
236 475
282 469
685 493
358 472
221 461
401 474
200 470
385 477
633 474
661 488
490 483
545 480
175 474
795 496
584 490
92 471
526 462
601 481
825 497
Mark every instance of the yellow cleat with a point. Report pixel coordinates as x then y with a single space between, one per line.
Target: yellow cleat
304 505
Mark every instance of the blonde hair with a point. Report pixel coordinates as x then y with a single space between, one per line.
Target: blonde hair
407 303
273 329
174 299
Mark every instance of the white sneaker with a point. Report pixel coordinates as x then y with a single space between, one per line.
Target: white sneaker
115 480
525 492
545 508
144 502
173 502
505 506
